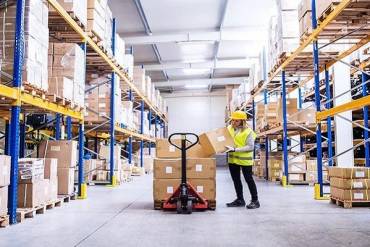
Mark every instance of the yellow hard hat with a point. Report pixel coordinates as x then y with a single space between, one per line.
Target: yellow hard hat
238 115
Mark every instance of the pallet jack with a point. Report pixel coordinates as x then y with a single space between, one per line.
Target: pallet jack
185 198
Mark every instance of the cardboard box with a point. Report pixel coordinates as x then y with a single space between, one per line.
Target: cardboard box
352 173
298 177
349 183
350 195
4 170
52 191
164 188
32 194
51 169
165 150
214 142
65 181
167 168
297 168
275 164
30 170
3 200
64 151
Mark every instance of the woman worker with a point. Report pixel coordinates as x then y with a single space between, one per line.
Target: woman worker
240 157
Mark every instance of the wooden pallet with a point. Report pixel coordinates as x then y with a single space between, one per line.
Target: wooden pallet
68 198
23 213
349 204
4 221
34 91
63 101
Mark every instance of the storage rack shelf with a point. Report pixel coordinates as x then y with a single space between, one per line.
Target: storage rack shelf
17 102
348 20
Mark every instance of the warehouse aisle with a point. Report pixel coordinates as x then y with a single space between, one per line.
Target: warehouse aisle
124 217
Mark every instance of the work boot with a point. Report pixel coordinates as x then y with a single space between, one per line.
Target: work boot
236 203
253 205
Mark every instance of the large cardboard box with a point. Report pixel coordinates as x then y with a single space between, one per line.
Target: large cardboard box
32 194
65 181
51 169
352 173
350 195
4 170
215 141
3 200
52 190
165 150
167 168
64 151
349 183
164 188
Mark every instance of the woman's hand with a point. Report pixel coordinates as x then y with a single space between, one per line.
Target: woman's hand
229 149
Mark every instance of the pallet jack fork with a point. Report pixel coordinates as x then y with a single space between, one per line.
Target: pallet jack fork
185 198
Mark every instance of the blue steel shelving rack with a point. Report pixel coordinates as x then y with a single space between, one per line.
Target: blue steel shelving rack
15 131
330 110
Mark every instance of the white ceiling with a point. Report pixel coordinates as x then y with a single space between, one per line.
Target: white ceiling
168 18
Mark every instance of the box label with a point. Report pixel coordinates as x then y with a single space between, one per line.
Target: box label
171 149
168 169
221 138
55 148
198 167
357 185
358 196
359 174
169 189
200 189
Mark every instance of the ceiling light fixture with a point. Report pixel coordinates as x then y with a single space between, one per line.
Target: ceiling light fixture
196 86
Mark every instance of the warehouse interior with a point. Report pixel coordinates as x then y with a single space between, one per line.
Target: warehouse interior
161 123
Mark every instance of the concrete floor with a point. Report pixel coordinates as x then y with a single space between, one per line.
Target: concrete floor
124 216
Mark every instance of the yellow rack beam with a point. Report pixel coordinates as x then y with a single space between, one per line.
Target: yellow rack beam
350 106
16 94
340 7
96 48
134 134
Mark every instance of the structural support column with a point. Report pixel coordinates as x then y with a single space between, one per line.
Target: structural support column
266 140
328 120
150 128
58 121
69 128
365 78
113 180
15 112
130 96
319 186
285 132
82 187
142 132
254 124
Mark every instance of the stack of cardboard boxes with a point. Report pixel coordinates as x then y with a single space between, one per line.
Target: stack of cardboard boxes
349 185
103 173
36 38
275 165
77 7
297 167
65 152
4 183
311 174
201 168
66 79
259 168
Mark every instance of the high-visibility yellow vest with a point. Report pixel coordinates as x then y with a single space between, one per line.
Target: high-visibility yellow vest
240 138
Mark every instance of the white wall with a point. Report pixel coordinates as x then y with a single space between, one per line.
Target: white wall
195 114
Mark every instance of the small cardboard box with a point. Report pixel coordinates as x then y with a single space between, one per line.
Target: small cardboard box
349 183
3 200
352 173
4 170
201 168
164 188
350 195
65 181
167 168
64 151
214 142
32 194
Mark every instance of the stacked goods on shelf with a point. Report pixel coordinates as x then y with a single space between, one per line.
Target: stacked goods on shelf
201 168
349 185
36 39
273 113
128 114
239 96
139 79
120 50
77 7
305 14
4 183
297 167
128 65
283 31
259 168
66 77
90 168
99 22
311 174
260 115
103 172
275 165
147 162
66 154
306 116
98 102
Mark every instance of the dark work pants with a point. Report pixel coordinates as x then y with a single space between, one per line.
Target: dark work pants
248 175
